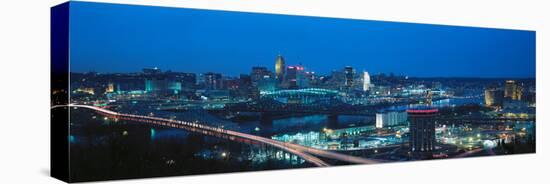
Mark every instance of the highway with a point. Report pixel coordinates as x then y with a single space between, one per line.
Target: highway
307 153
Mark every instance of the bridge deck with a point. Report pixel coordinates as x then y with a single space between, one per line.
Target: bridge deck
303 152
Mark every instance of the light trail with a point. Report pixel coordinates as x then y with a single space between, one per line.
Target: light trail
303 152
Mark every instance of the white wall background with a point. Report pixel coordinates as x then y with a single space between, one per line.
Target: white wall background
24 90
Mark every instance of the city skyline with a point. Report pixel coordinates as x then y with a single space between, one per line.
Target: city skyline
327 74
168 97
121 39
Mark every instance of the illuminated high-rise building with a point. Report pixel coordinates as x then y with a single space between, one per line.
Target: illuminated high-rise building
259 73
213 80
422 132
519 93
110 88
429 97
336 80
311 78
267 85
280 68
493 97
384 119
349 74
366 81
510 89
295 77
162 85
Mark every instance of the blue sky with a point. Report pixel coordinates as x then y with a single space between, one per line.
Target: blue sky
111 38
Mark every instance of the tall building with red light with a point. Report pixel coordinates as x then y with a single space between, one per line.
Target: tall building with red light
295 77
422 132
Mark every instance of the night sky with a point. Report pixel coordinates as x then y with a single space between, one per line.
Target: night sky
110 38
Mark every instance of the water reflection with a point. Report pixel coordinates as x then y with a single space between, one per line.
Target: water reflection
107 149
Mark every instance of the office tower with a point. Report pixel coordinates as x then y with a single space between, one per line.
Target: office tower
510 89
422 132
213 80
231 83
429 97
493 97
519 93
110 88
259 73
280 68
366 81
312 79
245 81
295 77
267 84
245 86
336 80
349 74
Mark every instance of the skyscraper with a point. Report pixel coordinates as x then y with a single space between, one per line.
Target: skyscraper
267 84
311 78
493 97
295 77
280 68
245 85
213 80
259 73
519 92
422 132
110 88
510 89
366 81
349 74
429 97
336 80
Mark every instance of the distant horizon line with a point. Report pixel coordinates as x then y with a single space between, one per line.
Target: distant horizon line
370 74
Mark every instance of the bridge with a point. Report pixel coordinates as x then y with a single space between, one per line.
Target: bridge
307 153
481 120
334 112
